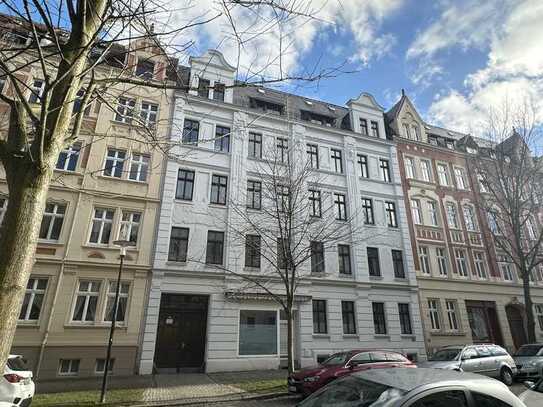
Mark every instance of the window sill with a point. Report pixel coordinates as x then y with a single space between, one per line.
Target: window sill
97 246
346 276
121 179
408 336
218 206
45 242
249 269
445 333
401 279
183 201
381 336
99 325
176 263
62 171
350 336
376 278
322 336
28 324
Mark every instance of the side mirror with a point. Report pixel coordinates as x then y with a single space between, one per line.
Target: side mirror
529 384
352 364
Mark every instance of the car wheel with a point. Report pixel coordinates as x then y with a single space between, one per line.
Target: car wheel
506 376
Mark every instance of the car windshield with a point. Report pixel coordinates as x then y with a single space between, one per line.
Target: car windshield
445 355
336 359
353 391
17 363
528 350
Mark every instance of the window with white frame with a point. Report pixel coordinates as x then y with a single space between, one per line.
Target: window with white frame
441 256
68 367
426 171
52 220
409 167
390 210
452 215
102 221
424 258
122 305
482 183
469 218
432 213
114 163
539 315
505 268
461 263
384 165
257 333
67 159
36 91
416 211
148 114
416 132
86 301
130 226
460 177
139 167
125 110
3 208
480 267
442 174
33 299
530 227
452 316
100 366
433 310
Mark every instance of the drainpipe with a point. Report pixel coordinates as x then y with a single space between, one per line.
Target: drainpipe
57 290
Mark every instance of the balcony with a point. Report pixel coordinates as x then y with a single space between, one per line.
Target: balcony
429 233
475 238
457 236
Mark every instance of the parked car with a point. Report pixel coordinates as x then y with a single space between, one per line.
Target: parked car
308 380
533 397
490 360
16 386
422 387
529 361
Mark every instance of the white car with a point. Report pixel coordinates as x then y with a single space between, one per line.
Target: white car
16 385
533 397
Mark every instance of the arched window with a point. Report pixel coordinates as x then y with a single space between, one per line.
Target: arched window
406 131
416 132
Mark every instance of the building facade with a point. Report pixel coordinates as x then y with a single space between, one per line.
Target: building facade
105 182
197 317
469 292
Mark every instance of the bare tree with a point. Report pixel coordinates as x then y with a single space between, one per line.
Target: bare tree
77 47
510 177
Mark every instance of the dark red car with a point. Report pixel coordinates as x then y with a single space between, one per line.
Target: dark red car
308 380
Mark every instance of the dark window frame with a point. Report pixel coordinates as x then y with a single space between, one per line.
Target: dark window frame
404 312
367 211
398 264
255 145
282 150
392 216
215 247
222 139
374 128
348 316
184 181
317 257
219 90
315 203
379 318
190 134
219 189
363 162
374 267
340 202
181 242
384 165
204 85
313 154
344 259
254 189
337 157
252 251
364 127
320 323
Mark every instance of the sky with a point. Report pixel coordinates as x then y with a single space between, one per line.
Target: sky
454 58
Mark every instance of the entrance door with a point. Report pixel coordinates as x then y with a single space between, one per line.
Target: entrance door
181 336
516 324
483 322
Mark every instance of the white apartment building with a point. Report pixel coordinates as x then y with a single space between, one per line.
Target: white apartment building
366 296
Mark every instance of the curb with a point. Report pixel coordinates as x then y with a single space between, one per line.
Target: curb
214 399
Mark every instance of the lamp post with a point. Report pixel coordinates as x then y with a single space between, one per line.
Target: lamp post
123 244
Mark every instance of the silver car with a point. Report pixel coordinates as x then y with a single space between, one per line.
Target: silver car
529 361
397 387
490 360
533 397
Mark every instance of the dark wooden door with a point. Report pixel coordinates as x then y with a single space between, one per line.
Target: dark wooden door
516 324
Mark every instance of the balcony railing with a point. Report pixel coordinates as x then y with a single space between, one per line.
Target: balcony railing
429 233
457 236
475 238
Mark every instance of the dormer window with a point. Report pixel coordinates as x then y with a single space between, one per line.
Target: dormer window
374 129
471 150
450 144
218 91
266 106
203 88
318 118
432 141
145 69
416 132
406 132
364 127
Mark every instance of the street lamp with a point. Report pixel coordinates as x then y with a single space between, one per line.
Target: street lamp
123 244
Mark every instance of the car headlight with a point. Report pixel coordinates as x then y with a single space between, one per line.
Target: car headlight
533 363
312 379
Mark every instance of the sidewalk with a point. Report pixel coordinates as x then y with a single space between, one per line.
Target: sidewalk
164 389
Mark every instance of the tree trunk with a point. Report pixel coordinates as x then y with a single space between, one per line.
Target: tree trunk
530 322
28 187
290 339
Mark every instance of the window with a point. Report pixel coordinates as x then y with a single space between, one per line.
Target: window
255 145
125 110
344 256
452 215
424 260
405 319
406 132
145 68
385 169
78 102
373 261
67 159
36 92
379 321
179 241
100 366
215 247
416 132
432 212
433 310
337 159
282 253
122 304
339 202
218 91
530 227
449 398
185 185
442 261
319 317
363 162
390 209
257 333
317 257
86 301
102 221
282 150
148 114
469 218
33 299
442 174
492 217
452 318
114 163
252 251
283 198
51 222
426 172
482 183
190 132
313 155
218 189
315 203
397 262
367 210
139 167
130 226
480 265
203 87
222 139
505 267
460 177
374 129
461 264
539 315
409 167
265 106
68 367
364 127
349 318
254 194
416 212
